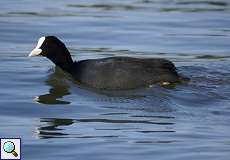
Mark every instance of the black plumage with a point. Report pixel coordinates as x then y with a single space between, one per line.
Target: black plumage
113 73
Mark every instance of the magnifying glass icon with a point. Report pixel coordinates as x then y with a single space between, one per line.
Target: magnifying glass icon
9 147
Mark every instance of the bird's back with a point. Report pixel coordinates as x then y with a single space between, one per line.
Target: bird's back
123 72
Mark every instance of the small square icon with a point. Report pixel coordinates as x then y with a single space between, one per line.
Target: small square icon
10 148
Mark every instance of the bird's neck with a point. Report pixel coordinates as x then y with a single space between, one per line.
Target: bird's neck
63 60
66 66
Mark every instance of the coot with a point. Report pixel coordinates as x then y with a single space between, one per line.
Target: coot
113 73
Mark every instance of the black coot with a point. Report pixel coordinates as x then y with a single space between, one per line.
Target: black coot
113 73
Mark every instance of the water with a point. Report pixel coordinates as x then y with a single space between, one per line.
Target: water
58 119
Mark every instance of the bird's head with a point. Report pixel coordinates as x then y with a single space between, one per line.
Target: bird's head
54 49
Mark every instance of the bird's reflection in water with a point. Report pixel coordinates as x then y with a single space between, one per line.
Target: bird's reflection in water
104 127
59 88
52 128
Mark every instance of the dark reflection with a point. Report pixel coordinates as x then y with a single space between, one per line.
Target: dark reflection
104 6
196 6
51 128
216 3
24 13
150 142
39 14
207 2
51 14
59 88
191 9
211 57
162 117
56 127
118 121
166 131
